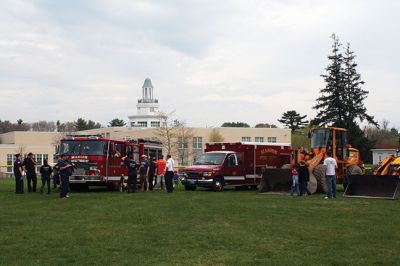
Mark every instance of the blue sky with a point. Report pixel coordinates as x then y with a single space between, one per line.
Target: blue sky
210 61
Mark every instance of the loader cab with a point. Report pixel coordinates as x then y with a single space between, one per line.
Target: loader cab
334 139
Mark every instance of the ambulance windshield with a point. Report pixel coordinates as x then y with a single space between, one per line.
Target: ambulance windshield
210 159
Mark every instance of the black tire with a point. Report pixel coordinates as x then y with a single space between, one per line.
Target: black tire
351 170
320 174
190 188
218 184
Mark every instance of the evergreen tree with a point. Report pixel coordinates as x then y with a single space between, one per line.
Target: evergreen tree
116 123
330 105
354 95
293 120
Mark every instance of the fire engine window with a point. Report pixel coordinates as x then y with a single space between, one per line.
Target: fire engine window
232 161
118 150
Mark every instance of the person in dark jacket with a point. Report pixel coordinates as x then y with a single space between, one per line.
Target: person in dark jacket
30 165
132 172
19 175
45 172
65 169
304 177
151 172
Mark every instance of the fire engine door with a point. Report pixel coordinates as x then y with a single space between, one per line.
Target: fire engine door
115 164
234 173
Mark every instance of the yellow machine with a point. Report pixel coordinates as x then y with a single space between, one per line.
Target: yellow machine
384 183
322 140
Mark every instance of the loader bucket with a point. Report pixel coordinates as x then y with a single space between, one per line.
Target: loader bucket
276 180
373 186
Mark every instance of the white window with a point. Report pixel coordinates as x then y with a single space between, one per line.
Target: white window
155 123
142 124
246 139
152 109
10 161
197 143
272 139
132 124
259 139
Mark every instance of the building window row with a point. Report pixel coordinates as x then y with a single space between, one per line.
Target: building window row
197 143
39 158
272 139
155 124
246 139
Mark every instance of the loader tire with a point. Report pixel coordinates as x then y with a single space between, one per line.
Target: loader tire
320 175
351 170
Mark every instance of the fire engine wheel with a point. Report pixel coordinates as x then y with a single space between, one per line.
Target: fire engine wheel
190 188
218 184
320 175
351 170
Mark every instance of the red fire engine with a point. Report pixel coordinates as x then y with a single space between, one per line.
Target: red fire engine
235 164
98 160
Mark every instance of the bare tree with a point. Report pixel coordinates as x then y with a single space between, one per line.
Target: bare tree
184 136
166 133
43 126
215 136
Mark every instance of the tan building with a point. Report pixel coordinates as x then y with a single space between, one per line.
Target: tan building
42 144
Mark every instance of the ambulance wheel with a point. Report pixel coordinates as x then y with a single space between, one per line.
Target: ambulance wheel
218 184
190 188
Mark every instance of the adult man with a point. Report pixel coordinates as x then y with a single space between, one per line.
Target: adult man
45 172
304 177
132 172
29 164
143 172
169 174
151 172
65 170
331 166
19 175
161 164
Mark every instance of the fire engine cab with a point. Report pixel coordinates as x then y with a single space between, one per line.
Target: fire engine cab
98 160
235 164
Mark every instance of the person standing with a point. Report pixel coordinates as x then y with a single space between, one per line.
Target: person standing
169 174
161 164
65 170
295 183
19 175
304 178
45 172
132 172
143 171
331 166
151 172
29 164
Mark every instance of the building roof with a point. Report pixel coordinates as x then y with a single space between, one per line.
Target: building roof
147 83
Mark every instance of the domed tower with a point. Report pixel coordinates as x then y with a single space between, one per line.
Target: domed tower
147 108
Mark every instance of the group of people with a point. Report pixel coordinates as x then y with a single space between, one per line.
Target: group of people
148 169
301 177
62 170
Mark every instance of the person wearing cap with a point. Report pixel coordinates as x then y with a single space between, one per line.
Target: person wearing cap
30 165
143 172
295 183
304 178
19 175
45 173
65 169
132 172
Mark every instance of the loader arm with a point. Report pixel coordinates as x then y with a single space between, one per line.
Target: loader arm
384 166
312 163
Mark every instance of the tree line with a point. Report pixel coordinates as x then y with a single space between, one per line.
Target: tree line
51 126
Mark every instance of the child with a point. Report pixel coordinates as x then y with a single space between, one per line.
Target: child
295 182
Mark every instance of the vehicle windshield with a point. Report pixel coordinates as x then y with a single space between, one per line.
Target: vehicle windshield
321 138
210 159
82 147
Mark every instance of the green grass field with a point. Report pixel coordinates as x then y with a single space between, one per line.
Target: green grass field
195 228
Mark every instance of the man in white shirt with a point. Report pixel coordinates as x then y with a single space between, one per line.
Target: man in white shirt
169 174
331 166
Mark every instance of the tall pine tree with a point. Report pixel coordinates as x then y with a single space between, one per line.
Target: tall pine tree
330 105
354 94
